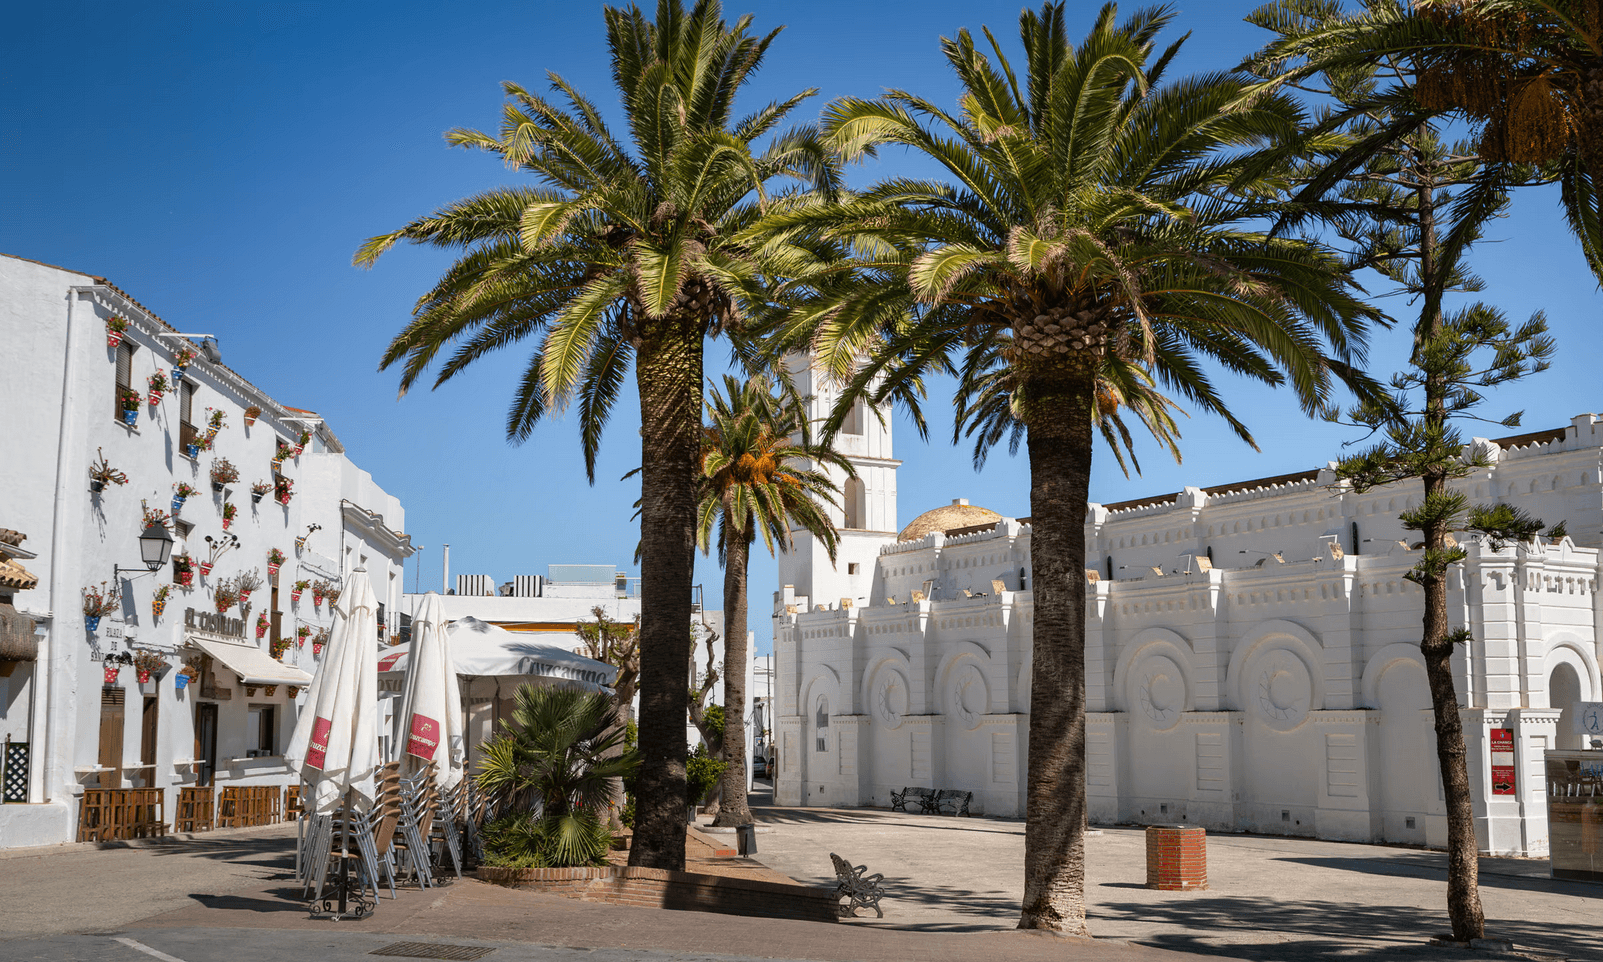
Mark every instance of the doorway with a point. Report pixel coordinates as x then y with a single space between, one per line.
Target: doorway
206 742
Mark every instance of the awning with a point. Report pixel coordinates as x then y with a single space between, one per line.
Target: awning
253 665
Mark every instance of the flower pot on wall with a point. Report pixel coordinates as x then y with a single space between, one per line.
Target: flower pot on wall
111 675
205 567
113 337
130 416
155 398
181 682
192 450
92 622
256 497
97 486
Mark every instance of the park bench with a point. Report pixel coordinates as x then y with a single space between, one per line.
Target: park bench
948 801
920 795
861 889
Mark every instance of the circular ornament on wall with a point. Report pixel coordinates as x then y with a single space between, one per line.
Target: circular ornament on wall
1162 692
1283 688
890 699
970 697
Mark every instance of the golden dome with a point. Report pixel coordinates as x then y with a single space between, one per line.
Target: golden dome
958 514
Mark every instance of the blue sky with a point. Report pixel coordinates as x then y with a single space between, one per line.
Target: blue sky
222 161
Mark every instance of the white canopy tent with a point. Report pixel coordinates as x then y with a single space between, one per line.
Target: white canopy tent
492 663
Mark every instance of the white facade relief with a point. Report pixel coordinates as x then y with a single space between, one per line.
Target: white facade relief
1252 656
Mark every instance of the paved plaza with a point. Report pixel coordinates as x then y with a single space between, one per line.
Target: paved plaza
954 888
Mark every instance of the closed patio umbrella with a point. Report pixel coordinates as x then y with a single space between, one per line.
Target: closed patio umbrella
335 745
428 718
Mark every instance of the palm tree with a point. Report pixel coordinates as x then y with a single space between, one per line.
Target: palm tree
1095 234
1527 73
761 475
623 253
552 768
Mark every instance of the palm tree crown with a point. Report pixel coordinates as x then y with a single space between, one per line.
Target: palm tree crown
760 473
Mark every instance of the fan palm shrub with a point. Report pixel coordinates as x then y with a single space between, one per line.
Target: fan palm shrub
1096 241
628 248
550 769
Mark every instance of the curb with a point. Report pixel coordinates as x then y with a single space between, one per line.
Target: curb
158 841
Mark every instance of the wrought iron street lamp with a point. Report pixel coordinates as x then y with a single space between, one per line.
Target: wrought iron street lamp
155 549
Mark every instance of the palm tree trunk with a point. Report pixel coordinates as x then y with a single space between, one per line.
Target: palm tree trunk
668 375
732 807
1059 418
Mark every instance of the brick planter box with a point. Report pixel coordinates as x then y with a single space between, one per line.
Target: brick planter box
1177 857
662 889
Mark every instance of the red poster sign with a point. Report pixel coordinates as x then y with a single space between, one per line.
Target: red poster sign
425 737
1502 745
317 751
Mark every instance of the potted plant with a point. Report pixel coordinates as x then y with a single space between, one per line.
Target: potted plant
128 398
193 447
250 691
295 592
223 472
184 569
156 516
216 420
283 489
148 663
111 671
229 510
219 547
269 690
301 634
259 489
251 414
101 473
116 325
185 675
246 582
182 358
182 491
332 593
275 560
302 440
319 641
158 601
157 385
319 590
98 602
279 647
292 690
262 624
225 596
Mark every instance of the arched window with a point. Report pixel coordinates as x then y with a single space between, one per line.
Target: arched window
856 502
821 723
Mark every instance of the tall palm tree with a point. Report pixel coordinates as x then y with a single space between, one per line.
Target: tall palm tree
623 252
1527 73
761 475
1096 231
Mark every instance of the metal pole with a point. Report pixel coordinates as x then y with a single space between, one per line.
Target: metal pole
445 575
345 851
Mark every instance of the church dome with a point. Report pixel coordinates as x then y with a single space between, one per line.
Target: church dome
958 514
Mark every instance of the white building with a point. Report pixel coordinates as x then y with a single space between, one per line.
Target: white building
1252 652
70 725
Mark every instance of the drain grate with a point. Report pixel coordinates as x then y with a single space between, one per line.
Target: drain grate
434 950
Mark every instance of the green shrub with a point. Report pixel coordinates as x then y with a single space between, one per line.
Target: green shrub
702 772
524 840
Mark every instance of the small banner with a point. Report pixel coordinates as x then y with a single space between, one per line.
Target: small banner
1502 745
317 751
425 737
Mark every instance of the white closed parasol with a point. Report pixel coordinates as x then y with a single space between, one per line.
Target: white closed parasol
335 745
428 718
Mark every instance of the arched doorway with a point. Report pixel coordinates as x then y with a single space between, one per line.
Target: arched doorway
1408 766
1563 691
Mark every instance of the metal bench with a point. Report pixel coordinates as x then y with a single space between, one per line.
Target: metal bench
948 801
920 795
861 889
